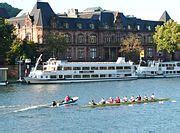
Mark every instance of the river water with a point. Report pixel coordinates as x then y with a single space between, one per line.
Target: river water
23 108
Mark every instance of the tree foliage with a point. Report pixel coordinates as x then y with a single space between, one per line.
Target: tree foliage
56 44
166 37
11 10
21 50
6 38
131 47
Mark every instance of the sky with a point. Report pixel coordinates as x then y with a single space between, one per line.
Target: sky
144 9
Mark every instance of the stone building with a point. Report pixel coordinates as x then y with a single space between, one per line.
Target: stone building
92 35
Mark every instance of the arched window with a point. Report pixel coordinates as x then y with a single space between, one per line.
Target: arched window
91 26
80 38
66 25
149 39
79 25
68 38
92 39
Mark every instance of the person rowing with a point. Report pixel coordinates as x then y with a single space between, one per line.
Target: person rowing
102 101
117 100
139 98
152 96
68 98
125 99
145 98
54 103
132 99
92 102
110 100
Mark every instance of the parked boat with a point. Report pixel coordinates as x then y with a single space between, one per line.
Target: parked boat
159 70
126 103
59 71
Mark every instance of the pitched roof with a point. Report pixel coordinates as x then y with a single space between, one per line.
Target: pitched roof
42 13
165 17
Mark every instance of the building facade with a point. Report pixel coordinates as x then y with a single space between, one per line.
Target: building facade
91 35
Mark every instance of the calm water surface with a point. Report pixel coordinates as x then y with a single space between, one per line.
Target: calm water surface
22 108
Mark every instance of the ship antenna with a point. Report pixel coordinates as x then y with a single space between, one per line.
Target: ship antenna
37 63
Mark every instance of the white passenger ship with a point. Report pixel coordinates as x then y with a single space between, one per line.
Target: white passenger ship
58 71
159 70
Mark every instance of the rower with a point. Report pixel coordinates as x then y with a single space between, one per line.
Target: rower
145 98
139 98
132 99
54 103
102 101
152 96
92 102
110 100
125 99
117 100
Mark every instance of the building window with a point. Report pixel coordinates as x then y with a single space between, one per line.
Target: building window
79 25
91 26
148 27
80 39
69 55
92 39
93 53
66 25
67 38
138 27
81 53
149 39
107 39
149 52
106 26
129 27
28 36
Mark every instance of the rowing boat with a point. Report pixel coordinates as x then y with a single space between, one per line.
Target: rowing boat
126 103
62 102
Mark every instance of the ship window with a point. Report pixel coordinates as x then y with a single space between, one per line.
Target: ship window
53 76
127 74
111 68
41 76
77 76
85 68
163 65
95 76
67 76
76 68
178 72
59 68
86 76
103 68
119 68
102 75
60 76
94 68
67 68
46 76
127 67
178 64
110 75
45 68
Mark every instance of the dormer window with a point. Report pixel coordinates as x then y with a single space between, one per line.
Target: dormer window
91 26
106 26
138 27
149 27
79 25
66 25
129 27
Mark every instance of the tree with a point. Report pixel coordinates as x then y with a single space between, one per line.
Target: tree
6 38
131 47
56 44
21 50
166 37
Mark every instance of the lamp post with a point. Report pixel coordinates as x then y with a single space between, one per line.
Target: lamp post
20 70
